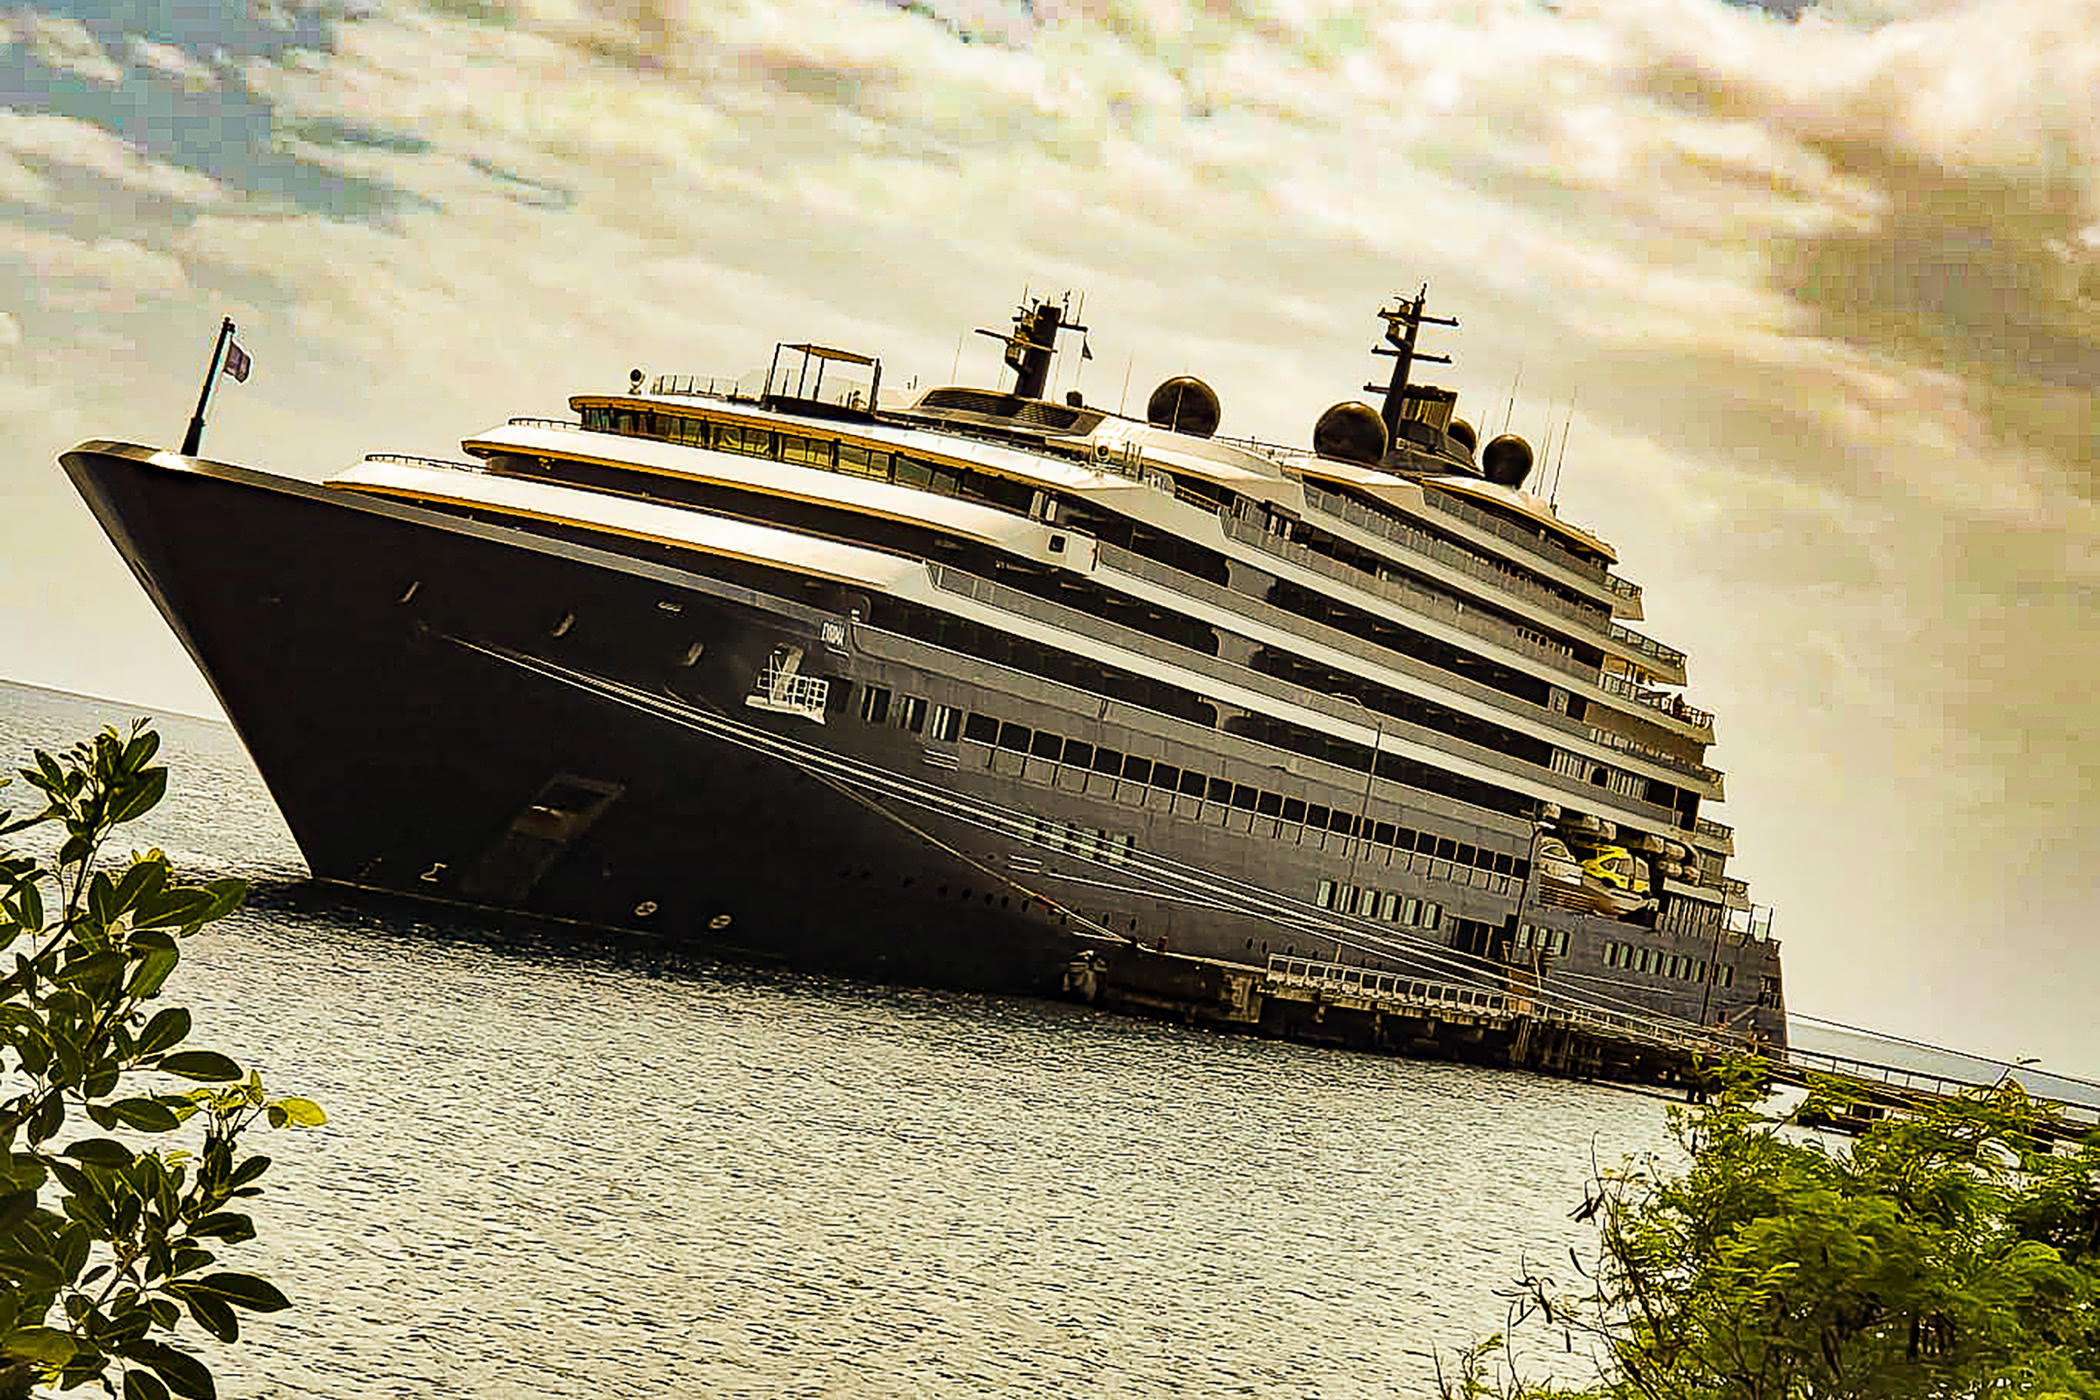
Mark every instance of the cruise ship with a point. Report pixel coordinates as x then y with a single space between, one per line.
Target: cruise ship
976 686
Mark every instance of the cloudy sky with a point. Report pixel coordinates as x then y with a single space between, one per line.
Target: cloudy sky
1828 287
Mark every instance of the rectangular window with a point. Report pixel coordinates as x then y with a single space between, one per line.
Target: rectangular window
1136 769
946 723
1432 915
1315 816
1118 848
1728 974
1464 855
1560 941
1220 792
864 461
1367 902
1412 914
1165 775
1192 783
1046 744
1243 797
1086 842
982 729
804 451
911 713
909 471
1523 935
1341 821
1268 804
1108 761
1078 753
1013 736
1382 833
1390 908
1446 848
1324 897
1502 863
1293 809
1699 971
875 704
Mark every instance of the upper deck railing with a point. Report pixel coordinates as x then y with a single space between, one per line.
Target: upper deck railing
408 459
1623 587
1590 615
1663 702
1536 543
1648 646
1713 830
1408 595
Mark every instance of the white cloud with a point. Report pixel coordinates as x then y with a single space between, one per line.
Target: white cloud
171 61
10 330
54 140
103 276
66 44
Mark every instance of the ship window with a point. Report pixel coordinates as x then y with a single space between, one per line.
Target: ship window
1137 769
1412 914
947 722
863 461
1107 761
1503 863
1523 935
623 422
875 704
1699 971
1013 736
1165 775
1465 855
1341 821
1293 809
911 713
1192 783
1390 907
1728 974
1382 833
909 471
1367 902
1268 804
1046 744
1325 897
982 729
1078 753
1243 797
804 451
1219 791
1560 941
1446 848
1432 915
594 418
1315 816
1118 848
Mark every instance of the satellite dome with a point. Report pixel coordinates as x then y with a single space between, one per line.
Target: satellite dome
1507 460
1462 432
1351 432
1185 404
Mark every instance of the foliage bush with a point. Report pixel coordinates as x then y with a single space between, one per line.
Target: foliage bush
107 1247
1946 1253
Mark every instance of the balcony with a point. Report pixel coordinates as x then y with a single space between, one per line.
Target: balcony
1626 595
1661 701
1538 544
1668 657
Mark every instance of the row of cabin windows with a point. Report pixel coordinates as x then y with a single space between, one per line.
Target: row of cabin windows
852 459
1680 966
1092 843
1545 940
1188 782
912 713
1389 905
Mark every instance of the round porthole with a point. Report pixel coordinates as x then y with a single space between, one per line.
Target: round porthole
645 909
718 922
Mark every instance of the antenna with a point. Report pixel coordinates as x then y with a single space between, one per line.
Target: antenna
1553 499
1511 407
1124 401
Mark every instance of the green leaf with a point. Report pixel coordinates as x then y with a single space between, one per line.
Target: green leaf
100 1152
185 1374
46 1345
139 752
227 1225
31 903
174 908
304 1113
15 1207
145 1115
144 1385
166 1030
200 1064
244 1291
153 972
248 1171
212 1312
32 1270
139 796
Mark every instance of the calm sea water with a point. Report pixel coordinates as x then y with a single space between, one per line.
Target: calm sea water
553 1172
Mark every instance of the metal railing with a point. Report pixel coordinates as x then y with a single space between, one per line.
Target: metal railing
1667 759
1537 544
1388 988
1591 615
567 425
689 386
790 692
1714 831
1648 646
1623 587
1013 600
407 459
1661 701
1419 599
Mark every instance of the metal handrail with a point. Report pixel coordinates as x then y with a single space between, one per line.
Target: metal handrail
1014 600
1669 760
1719 831
1537 544
1661 701
1647 646
1419 599
1623 587
409 459
565 424
1494 573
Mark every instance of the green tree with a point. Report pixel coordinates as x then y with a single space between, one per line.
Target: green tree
106 1247
1946 1253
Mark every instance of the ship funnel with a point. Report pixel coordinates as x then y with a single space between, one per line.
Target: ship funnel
1185 404
1351 432
1507 460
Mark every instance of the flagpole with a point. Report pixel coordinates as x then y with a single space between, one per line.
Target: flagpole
194 438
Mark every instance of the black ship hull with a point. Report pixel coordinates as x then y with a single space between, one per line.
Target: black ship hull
472 713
